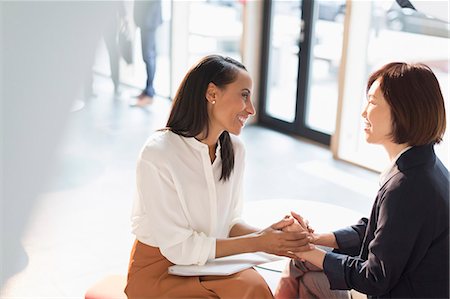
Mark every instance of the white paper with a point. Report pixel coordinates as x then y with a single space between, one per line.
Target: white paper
225 265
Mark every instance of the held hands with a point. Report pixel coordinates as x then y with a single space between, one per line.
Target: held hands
276 240
300 225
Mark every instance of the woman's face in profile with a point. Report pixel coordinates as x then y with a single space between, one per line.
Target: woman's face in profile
233 105
377 116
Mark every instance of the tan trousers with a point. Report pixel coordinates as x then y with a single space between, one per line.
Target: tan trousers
304 280
148 278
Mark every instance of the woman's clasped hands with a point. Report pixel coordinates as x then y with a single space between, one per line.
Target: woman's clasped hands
288 237
300 225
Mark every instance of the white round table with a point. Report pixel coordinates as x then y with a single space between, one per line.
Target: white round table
322 217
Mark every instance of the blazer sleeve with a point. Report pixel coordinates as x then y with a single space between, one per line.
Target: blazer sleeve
159 217
399 231
349 239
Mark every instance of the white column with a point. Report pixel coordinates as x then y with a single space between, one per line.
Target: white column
251 44
179 53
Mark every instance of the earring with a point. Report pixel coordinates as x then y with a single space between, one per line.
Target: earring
213 102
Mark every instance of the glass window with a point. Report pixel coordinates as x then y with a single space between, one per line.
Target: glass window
327 50
304 56
215 26
284 60
390 34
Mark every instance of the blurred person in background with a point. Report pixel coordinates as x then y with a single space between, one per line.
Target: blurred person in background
148 17
110 37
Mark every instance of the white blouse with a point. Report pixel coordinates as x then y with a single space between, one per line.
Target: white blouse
181 207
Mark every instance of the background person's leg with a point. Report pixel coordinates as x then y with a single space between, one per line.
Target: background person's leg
149 55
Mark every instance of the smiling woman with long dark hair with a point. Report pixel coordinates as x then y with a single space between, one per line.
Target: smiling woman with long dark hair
189 192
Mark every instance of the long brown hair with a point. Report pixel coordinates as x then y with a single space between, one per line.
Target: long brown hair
189 115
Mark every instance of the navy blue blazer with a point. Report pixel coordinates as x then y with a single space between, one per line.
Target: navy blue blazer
402 251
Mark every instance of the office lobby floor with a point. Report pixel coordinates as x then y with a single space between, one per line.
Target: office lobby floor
80 228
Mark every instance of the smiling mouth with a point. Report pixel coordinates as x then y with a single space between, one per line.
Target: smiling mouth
242 120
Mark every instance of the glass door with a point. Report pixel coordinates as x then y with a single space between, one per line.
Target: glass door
301 59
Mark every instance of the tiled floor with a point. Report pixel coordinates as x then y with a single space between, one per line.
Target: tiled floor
80 228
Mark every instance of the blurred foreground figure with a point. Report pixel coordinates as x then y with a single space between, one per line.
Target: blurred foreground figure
47 48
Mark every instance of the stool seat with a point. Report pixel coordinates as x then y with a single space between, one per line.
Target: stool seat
110 287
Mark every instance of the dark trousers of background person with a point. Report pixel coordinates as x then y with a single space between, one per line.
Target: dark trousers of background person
148 40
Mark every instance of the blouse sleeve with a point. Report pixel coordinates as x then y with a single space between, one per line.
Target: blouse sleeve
158 216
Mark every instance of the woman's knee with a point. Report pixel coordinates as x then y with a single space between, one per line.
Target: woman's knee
316 283
253 282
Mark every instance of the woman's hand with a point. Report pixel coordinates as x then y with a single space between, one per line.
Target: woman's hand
295 226
276 241
325 239
302 223
299 225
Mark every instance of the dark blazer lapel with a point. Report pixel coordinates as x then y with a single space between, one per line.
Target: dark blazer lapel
416 156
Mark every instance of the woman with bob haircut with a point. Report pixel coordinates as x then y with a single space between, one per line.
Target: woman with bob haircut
189 192
402 250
